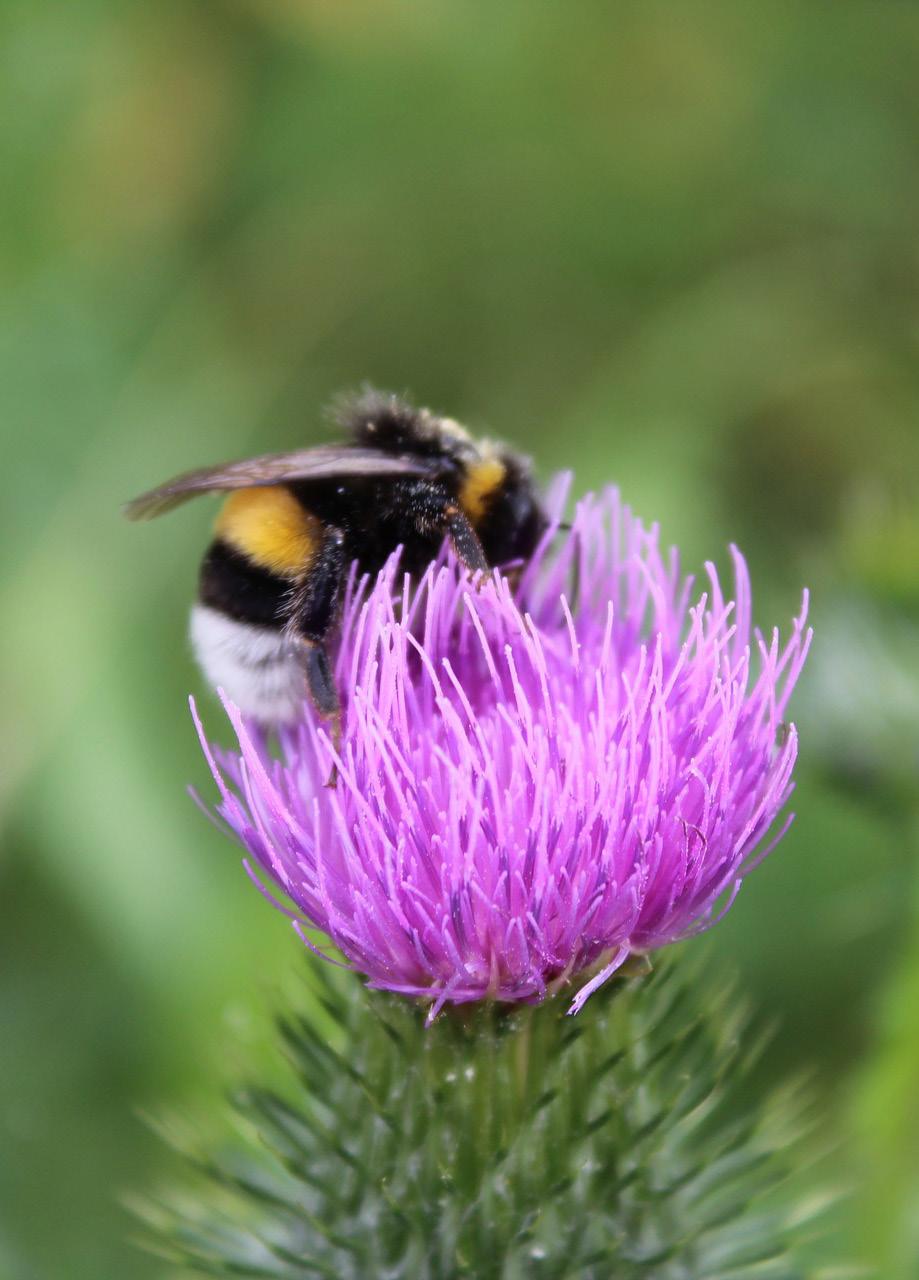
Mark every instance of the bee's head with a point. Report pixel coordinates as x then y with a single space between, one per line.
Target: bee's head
514 520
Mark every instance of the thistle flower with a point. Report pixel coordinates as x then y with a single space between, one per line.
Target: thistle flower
535 780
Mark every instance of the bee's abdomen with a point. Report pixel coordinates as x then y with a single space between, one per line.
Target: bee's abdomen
234 586
271 527
254 665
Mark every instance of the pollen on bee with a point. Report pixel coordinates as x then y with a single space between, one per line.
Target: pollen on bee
270 527
481 481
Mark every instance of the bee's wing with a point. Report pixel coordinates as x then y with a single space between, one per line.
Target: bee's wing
274 468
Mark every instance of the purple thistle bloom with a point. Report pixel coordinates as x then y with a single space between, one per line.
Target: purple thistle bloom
534 782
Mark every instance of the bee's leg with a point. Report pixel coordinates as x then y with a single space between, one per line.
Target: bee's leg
321 683
312 618
436 513
464 539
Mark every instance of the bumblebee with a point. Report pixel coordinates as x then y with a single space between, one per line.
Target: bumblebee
272 578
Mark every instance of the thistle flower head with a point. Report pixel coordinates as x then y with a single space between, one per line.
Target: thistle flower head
535 779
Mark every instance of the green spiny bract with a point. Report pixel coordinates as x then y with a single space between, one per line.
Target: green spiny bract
501 1146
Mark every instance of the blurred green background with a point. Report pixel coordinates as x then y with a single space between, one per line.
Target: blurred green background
674 246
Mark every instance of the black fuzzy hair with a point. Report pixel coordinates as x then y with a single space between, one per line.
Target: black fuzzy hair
383 420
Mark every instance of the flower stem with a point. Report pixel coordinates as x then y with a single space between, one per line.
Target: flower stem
504 1146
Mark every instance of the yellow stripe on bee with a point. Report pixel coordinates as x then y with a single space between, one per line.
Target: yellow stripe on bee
270 527
482 479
